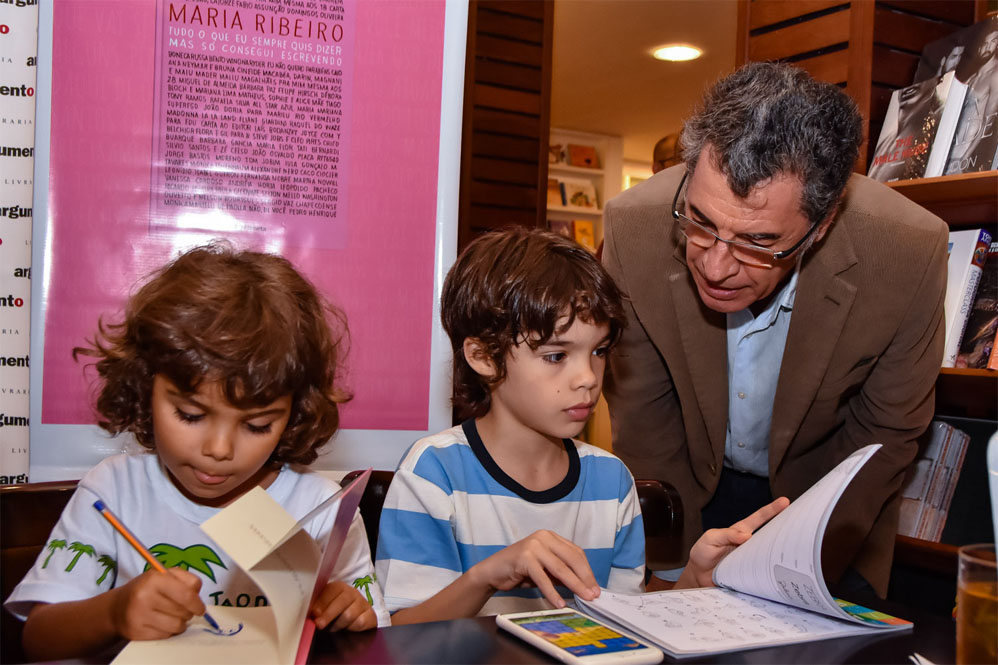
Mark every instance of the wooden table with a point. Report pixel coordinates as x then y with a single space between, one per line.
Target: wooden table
478 641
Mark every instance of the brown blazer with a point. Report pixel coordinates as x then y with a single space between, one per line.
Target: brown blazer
861 359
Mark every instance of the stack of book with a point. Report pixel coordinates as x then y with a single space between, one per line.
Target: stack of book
918 129
945 122
979 345
929 486
572 193
970 341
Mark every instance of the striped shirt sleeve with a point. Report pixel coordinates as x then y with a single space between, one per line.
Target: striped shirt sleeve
417 553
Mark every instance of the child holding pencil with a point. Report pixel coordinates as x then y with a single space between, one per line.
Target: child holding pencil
223 368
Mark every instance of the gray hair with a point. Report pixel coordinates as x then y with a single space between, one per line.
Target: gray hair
768 118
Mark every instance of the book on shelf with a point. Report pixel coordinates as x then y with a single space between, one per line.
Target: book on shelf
584 156
584 233
972 54
562 227
956 51
770 590
556 153
290 568
556 195
918 130
930 482
977 348
967 252
580 193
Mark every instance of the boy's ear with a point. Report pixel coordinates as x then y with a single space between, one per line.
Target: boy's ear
478 357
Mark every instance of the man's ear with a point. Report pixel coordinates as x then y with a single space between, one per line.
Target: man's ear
478 357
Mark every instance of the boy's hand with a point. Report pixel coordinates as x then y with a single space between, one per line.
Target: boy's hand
536 560
344 606
156 605
714 544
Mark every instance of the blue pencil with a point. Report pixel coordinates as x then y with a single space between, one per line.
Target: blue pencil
139 547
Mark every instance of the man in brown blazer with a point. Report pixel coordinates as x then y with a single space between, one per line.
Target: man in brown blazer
783 312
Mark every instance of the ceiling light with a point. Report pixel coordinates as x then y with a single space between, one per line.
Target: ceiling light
677 52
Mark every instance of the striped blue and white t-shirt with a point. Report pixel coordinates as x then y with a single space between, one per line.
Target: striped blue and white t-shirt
450 506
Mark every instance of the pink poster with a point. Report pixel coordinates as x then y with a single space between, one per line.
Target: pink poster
309 128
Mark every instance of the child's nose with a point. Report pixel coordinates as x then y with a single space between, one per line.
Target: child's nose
586 376
218 445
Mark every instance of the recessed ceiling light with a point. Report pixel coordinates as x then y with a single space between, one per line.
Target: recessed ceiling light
677 52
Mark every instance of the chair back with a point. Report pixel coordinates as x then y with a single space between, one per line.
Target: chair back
28 513
662 513
371 502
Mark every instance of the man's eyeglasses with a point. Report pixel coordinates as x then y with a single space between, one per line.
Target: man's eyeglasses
743 252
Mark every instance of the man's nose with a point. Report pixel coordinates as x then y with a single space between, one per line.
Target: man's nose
718 264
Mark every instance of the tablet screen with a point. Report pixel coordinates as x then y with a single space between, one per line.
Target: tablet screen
577 634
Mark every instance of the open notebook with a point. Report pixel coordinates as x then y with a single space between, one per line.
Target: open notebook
284 561
770 590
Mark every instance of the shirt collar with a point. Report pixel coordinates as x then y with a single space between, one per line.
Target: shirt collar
784 301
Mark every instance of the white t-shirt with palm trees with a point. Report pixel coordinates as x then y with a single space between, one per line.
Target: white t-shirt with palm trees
85 556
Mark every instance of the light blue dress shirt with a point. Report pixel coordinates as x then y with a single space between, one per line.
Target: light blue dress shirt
755 354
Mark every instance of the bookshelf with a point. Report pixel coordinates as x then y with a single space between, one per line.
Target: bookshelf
605 179
962 200
965 398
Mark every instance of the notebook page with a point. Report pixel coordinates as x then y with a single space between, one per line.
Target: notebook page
714 620
782 560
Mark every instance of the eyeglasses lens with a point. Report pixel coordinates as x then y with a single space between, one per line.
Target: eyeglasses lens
704 239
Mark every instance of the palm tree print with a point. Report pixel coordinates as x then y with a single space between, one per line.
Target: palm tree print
195 557
109 565
364 583
52 547
80 549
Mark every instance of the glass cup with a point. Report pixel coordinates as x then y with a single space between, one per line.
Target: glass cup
977 606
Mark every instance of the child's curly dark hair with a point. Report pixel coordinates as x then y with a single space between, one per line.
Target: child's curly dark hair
516 286
247 319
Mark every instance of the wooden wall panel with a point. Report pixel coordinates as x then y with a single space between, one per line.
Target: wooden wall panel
831 67
895 69
506 116
960 13
489 217
779 11
503 195
509 26
504 123
503 170
495 97
513 148
813 35
906 31
523 8
513 76
504 49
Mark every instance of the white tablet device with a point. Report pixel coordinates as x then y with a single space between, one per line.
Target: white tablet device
573 637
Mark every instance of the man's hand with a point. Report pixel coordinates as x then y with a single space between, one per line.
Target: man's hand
714 544
342 607
156 605
540 560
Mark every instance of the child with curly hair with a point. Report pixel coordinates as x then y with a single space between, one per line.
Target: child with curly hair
224 369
